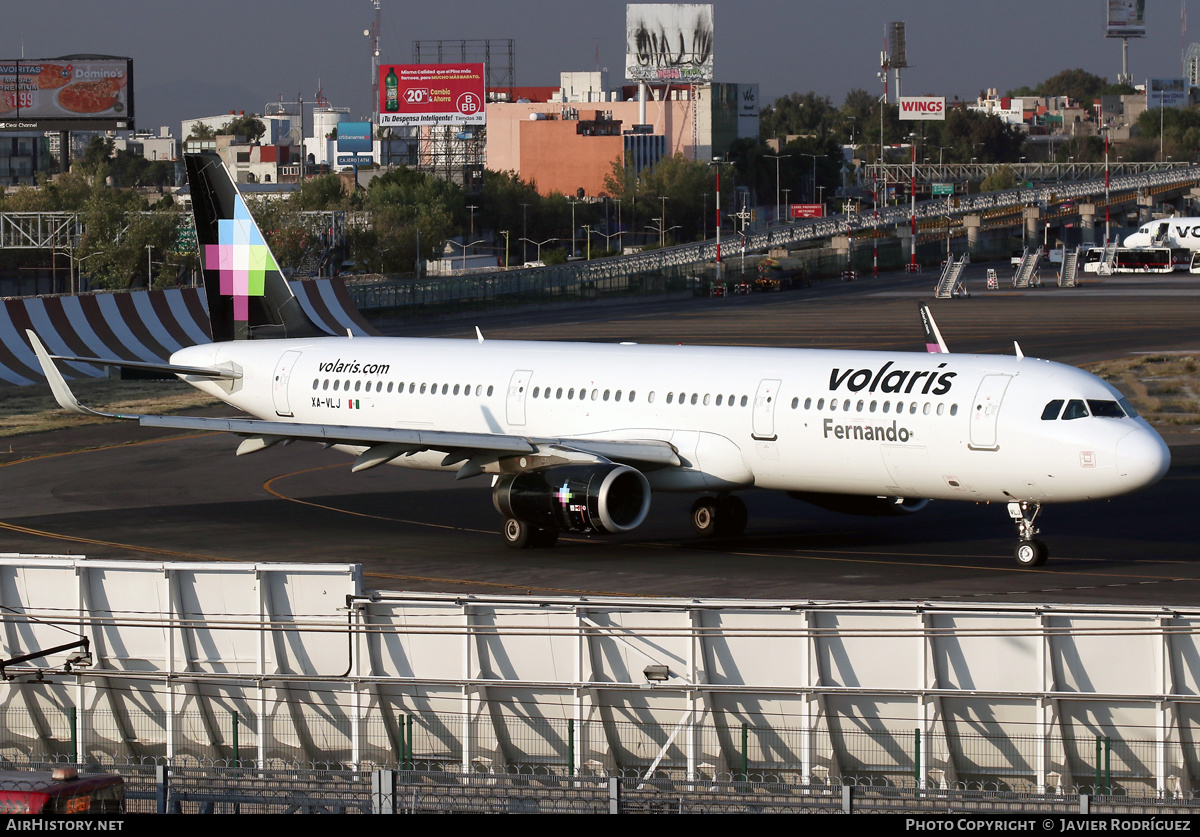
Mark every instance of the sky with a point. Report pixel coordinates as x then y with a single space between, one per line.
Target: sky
206 58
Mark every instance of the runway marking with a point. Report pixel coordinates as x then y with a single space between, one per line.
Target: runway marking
267 486
1058 571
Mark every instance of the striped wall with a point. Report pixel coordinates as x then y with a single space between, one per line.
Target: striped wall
139 325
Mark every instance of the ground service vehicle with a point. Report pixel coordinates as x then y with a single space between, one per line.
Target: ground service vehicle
60 792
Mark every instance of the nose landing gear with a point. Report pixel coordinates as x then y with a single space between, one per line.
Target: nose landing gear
1030 551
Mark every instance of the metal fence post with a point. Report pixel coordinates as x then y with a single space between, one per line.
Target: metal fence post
73 720
408 744
917 757
1085 804
237 750
162 778
570 746
614 795
847 799
1107 765
745 753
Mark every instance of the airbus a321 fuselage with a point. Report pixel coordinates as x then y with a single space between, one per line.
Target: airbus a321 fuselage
576 436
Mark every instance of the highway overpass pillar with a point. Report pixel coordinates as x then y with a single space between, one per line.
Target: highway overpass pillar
841 246
1033 226
972 223
1194 197
904 233
1145 203
1087 223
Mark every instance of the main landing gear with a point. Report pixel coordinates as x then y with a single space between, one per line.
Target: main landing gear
719 516
1030 552
520 534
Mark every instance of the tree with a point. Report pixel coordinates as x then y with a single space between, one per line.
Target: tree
1002 178
200 131
802 114
1077 84
250 127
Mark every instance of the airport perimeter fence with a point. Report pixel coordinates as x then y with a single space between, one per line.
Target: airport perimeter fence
242 789
1111 766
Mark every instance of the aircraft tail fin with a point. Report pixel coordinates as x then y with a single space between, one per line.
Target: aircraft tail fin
248 296
933 338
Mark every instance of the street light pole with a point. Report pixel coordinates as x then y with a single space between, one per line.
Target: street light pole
777 158
524 232
912 141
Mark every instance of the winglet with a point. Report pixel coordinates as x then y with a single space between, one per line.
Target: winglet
933 338
478 334
58 385
1017 346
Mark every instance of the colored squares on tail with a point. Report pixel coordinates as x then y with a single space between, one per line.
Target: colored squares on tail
241 257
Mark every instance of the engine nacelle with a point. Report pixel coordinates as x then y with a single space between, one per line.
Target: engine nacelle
606 498
857 504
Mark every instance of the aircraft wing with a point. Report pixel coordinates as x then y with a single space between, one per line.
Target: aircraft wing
386 443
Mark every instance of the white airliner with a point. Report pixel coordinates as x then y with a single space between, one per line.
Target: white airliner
1175 233
577 436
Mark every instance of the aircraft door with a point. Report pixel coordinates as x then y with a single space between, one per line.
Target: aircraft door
518 387
279 386
764 410
985 410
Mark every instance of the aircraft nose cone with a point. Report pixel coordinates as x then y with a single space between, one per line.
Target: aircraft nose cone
1142 458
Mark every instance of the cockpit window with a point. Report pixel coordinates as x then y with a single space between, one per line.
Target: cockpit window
1075 410
1105 409
1050 413
1128 408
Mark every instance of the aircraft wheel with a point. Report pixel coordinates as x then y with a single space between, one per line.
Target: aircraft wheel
1031 553
518 534
704 517
731 516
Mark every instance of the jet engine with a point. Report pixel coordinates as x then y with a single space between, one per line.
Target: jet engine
605 498
866 506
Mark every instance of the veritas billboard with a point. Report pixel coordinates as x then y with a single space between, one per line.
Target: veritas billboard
922 107
72 93
669 43
431 94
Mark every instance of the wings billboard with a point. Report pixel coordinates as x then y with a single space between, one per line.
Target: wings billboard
72 93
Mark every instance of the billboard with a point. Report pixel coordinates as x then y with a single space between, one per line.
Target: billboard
1166 93
431 94
806 210
922 107
75 92
669 42
1125 19
354 137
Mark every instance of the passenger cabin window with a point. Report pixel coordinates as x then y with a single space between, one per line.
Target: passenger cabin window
1051 410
